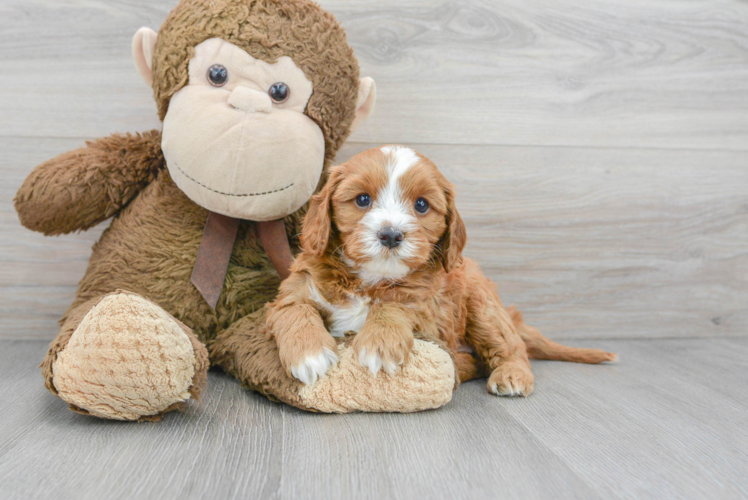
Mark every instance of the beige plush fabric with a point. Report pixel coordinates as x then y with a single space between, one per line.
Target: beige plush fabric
143 46
367 97
127 359
234 151
425 382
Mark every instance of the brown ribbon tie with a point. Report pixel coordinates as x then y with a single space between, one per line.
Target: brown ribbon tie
215 250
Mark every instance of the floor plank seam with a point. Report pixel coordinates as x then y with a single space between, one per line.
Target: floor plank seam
623 339
281 477
458 144
564 146
545 446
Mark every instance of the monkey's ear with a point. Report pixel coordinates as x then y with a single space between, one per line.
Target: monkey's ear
367 96
143 45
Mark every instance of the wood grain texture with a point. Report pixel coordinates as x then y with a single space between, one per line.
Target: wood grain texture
619 74
220 447
601 156
668 421
590 243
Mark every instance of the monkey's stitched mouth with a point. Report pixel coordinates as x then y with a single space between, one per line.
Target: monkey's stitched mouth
230 194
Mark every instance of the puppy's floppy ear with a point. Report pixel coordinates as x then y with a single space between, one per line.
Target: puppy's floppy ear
317 226
454 238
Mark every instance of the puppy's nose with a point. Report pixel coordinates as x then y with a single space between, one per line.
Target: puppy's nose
249 100
390 236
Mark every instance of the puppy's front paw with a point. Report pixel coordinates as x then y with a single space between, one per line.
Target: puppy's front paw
384 349
511 379
373 361
307 354
314 366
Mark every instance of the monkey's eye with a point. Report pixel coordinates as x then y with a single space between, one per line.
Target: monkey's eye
363 200
218 75
279 92
422 206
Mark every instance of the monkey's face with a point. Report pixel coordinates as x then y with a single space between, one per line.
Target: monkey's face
256 97
236 139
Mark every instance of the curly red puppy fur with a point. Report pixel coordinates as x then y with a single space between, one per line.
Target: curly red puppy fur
382 256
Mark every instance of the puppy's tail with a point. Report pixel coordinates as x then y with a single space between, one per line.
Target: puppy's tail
540 347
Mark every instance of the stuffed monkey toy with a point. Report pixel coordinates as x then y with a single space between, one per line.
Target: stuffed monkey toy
255 98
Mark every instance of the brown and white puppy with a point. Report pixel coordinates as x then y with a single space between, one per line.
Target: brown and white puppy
382 256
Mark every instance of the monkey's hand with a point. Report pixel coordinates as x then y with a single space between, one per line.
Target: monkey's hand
81 188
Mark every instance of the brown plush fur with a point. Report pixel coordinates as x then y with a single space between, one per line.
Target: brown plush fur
267 30
443 295
81 188
150 249
151 245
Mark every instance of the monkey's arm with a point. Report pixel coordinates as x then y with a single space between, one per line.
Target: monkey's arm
81 188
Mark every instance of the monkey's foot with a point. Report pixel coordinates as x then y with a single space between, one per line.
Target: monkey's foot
424 382
130 360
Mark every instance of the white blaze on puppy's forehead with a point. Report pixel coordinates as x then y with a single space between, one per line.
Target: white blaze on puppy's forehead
389 207
401 159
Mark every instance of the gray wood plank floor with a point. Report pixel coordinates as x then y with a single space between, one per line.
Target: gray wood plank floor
669 421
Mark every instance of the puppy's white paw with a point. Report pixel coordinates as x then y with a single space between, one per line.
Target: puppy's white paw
375 363
313 367
511 379
509 390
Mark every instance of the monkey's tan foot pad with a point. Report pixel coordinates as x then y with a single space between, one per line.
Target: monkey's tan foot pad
424 382
129 360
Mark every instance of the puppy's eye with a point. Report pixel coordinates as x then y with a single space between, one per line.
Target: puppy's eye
422 206
218 75
279 92
363 200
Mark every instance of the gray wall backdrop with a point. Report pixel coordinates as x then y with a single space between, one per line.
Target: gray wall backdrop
600 148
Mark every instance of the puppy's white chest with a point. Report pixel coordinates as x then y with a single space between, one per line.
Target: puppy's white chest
350 315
